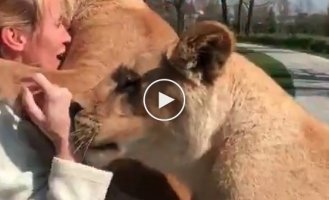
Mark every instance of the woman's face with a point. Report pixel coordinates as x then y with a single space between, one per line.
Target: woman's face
47 43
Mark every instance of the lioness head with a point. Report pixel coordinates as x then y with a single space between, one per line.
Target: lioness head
117 125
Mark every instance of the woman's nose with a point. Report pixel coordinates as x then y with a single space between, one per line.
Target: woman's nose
66 36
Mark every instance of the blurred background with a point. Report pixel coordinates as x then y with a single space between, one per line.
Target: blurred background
269 20
250 16
288 39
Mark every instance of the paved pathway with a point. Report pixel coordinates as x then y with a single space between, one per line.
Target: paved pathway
310 77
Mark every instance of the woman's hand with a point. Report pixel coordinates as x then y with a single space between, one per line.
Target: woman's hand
48 107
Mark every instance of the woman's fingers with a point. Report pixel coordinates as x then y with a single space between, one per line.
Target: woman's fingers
43 82
33 88
32 108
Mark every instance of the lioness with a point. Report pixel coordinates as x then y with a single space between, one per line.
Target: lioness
105 33
240 135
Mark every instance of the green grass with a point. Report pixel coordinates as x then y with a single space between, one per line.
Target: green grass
311 44
271 66
324 55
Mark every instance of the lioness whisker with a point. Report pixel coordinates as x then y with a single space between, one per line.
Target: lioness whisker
88 144
79 147
75 132
77 143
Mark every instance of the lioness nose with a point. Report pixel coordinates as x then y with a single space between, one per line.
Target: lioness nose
75 108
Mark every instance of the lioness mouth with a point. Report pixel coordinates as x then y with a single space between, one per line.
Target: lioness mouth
102 147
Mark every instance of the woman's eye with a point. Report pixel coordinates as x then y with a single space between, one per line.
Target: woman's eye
58 24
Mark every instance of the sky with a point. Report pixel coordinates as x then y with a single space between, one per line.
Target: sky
318 5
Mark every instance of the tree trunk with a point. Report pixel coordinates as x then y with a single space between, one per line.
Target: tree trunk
224 12
250 11
327 27
180 21
238 28
180 15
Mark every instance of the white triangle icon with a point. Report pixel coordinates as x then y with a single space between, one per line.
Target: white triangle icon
164 100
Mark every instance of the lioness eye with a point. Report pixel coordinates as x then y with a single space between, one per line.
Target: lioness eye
129 84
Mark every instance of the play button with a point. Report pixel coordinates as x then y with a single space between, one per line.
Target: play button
164 100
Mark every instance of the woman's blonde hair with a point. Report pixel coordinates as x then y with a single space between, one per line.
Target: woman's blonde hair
20 13
26 14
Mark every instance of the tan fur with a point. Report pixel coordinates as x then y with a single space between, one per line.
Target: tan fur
239 137
105 33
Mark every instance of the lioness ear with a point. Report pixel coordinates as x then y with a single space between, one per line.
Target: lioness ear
202 51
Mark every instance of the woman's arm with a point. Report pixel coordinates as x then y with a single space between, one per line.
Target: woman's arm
74 181
67 179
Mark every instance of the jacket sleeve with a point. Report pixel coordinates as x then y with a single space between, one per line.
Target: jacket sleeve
75 181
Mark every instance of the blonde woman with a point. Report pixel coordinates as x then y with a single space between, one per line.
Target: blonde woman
31 32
